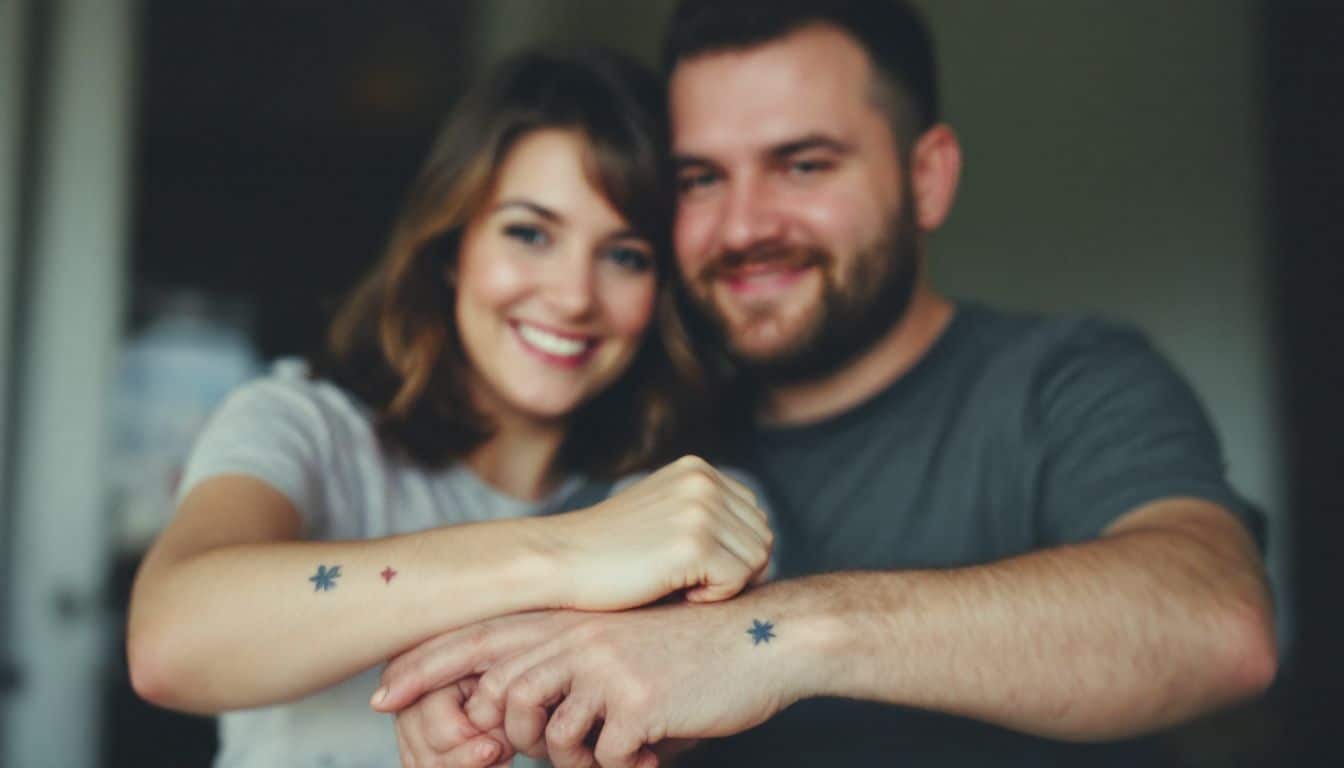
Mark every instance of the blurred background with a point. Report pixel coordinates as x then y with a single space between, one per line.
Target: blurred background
187 186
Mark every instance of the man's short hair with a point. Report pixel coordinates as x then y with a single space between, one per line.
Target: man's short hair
892 33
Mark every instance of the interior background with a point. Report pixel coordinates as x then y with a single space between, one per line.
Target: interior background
1173 165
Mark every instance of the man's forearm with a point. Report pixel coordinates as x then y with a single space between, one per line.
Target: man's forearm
1119 636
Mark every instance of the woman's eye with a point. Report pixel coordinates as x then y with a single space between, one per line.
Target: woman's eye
527 235
690 182
627 257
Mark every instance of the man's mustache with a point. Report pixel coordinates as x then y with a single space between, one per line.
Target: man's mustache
780 257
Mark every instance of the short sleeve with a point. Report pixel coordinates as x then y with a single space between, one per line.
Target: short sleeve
1119 428
268 429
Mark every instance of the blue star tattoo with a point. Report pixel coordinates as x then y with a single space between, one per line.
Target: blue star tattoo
325 578
761 632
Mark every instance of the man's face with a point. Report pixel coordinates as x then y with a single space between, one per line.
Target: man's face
794 231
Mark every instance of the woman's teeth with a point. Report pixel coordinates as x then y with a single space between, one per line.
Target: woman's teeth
550 343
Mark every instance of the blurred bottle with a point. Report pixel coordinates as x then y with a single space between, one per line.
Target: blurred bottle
174 372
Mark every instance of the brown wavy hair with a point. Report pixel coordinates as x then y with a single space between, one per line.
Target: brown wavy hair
394 343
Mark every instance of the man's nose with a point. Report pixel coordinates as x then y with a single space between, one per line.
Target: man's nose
750 217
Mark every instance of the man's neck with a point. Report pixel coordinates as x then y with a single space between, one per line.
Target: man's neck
885 362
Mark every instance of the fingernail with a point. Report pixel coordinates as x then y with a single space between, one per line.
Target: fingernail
378 696
488 750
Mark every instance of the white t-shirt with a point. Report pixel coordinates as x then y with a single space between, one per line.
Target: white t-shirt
316 445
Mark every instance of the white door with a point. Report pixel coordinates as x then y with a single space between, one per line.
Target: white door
70 307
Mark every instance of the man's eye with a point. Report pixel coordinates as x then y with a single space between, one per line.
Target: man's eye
631 258
527 235
808 167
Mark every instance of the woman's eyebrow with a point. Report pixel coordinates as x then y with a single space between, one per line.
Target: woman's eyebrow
624 233
528 205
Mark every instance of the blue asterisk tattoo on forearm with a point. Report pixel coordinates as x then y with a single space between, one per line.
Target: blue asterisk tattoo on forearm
761 632
325 578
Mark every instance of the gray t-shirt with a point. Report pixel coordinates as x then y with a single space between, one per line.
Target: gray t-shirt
316 445
1012 434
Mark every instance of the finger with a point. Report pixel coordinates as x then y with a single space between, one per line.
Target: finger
486 705
404 751
761 576
435 734
753 533
751 513
530 698
432 665
567 732
729 569
444 724
449 657
410 741
479 752
619 748
739 490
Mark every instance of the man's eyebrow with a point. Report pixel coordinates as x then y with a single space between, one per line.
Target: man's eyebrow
809 142
528 205
785 149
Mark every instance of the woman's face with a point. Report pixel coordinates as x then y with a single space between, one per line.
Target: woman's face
554 290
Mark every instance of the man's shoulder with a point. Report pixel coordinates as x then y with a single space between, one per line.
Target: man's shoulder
1015 342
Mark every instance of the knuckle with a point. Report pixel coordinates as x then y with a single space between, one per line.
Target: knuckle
697 546
443 734
697 484
525 692
700 515
560 730
490 688
640 698
691 461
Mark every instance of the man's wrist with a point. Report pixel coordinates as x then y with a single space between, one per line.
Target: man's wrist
799 637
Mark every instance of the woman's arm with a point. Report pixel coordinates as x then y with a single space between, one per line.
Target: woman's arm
230 611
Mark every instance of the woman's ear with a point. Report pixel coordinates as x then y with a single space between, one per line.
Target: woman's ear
935 170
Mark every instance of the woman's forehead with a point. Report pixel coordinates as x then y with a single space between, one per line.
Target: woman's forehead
555 169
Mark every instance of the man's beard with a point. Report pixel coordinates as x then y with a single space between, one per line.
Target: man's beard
856 311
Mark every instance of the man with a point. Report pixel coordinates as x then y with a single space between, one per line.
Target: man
1003 539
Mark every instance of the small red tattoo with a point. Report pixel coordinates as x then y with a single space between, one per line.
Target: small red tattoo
387 574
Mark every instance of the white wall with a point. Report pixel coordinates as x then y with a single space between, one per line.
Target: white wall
1114 164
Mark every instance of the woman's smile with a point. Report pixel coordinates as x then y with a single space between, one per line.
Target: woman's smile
565 350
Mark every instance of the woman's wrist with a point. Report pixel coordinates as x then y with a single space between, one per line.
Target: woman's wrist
545 562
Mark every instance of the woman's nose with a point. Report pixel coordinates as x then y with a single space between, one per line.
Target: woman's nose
570 288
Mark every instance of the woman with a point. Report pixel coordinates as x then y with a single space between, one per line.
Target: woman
495 367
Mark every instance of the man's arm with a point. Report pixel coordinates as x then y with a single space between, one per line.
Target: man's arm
1163 618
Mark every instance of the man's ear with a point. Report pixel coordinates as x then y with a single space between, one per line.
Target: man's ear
935 170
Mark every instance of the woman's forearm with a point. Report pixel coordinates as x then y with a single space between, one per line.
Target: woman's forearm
248 625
